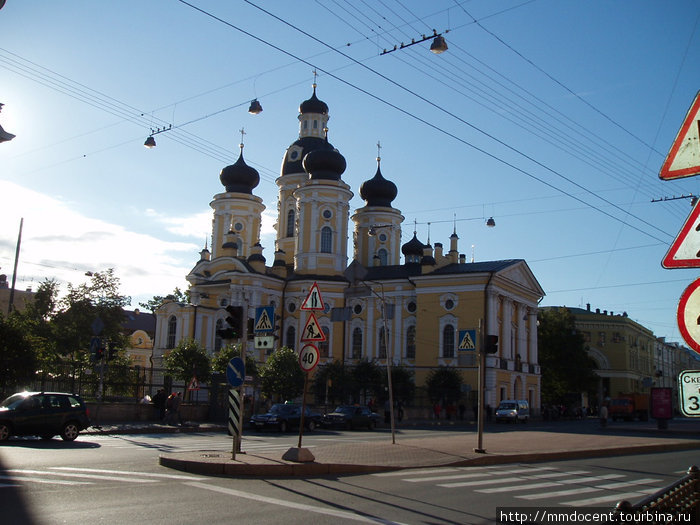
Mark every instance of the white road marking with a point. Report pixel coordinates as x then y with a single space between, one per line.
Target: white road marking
130 473
88 476
293 505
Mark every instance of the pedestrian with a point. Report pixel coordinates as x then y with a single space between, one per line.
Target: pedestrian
462 410
399 407
168 419
177 400
159 404
603 416
387 412
437 409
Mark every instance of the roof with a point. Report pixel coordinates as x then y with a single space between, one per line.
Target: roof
136 320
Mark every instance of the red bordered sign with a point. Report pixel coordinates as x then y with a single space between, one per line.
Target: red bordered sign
688 315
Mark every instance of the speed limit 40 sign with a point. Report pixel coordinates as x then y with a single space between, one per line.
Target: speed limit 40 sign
308 357
689 390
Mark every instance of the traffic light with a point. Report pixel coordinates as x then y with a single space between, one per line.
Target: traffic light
235 323
491 344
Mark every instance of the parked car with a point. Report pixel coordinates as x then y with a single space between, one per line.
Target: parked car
284 416
512 411
43 414
351 416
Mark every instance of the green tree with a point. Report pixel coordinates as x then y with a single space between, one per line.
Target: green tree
188 359
221 359
403 383
17 356
177 296
367 378
565 364
444 384
281 377
334 379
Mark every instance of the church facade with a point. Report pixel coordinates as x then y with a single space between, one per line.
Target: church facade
435 301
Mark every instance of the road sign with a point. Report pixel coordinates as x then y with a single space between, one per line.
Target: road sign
688 315
313 300
193 384
264 319
308 358
685 249
467 340
312 330
234 411
683 159
235 372
689 392
264 341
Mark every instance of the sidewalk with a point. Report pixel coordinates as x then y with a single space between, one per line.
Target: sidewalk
501 444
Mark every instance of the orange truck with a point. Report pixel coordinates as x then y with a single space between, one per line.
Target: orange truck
629 407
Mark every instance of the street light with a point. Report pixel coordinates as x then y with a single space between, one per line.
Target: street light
255 107
439 45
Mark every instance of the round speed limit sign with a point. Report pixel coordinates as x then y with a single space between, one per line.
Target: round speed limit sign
308 357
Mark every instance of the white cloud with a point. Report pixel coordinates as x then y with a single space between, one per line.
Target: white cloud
58 242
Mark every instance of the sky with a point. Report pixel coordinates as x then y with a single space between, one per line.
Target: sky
551 116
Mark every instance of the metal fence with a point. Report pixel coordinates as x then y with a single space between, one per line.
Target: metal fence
677 503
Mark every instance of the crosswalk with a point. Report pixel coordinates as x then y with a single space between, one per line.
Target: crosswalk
85 476
572 488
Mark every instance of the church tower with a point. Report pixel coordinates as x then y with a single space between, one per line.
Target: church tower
237 212
314 203
377 236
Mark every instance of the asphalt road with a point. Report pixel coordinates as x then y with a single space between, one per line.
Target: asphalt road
117 480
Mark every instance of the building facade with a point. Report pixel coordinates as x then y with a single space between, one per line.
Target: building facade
430 297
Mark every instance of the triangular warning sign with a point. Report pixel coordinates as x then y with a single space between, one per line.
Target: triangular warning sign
683 159
466 341
313 300
685 250
312 330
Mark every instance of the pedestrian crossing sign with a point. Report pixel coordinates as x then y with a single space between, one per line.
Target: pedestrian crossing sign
467 340
312 330
264 316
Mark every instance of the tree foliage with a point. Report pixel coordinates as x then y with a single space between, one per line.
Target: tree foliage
403 383
333 383
177 296
17 356
444 384
221 359
367 379
281 377
188 359
565 365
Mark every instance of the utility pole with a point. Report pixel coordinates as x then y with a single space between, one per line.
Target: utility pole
14 272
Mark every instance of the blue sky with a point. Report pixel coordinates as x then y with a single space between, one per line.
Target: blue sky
552 117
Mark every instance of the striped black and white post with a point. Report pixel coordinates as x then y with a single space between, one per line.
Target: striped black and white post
234 419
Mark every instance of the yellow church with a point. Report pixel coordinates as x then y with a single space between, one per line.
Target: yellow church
435 300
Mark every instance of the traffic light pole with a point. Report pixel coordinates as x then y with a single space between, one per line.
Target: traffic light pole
482 379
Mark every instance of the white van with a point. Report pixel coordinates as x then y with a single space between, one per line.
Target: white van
513 410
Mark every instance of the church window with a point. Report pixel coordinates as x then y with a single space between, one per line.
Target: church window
357 343
172 329
290 223
382 344
357 309
411 342
323 345
448 341
411 307
327 214
315 124
383 257
217 339
326 239
290 337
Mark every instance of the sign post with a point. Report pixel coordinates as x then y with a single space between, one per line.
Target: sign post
235 374
689 391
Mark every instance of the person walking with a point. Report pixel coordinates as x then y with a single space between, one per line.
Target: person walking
159 404
603 416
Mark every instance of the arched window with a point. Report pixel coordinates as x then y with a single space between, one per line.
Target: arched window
290 337
290 223
326 239
448 341
172 330
217 338
383 256
357 343
411 342
382 344
324 345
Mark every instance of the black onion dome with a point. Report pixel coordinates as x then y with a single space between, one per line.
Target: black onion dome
296 151
239 177
324 163
413 247
313 105
378 191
